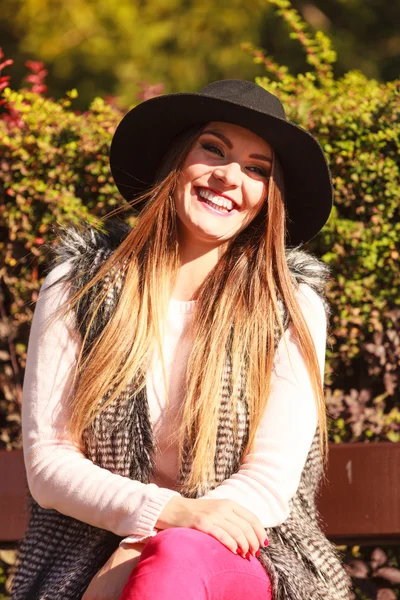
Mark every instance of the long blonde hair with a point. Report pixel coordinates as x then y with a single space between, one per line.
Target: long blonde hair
237 312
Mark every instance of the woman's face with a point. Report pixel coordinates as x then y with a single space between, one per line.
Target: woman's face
223 183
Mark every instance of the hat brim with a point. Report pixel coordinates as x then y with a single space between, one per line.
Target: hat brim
145 133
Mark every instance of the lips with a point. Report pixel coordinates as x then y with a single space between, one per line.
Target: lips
218 202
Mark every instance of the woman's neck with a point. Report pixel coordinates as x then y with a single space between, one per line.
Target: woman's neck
197 261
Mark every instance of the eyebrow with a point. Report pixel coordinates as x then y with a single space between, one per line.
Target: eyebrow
226 141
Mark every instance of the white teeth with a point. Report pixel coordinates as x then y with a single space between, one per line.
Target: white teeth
218 200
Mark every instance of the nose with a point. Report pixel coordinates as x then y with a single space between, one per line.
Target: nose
229 174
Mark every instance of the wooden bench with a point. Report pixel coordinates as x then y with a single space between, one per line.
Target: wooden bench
359 502
13 495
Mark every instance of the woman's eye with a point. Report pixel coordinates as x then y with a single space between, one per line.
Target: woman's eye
217 150
212 148
259 171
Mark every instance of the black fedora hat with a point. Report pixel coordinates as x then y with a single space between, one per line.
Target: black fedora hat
145 133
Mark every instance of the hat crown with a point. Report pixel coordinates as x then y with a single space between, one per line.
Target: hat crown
245 93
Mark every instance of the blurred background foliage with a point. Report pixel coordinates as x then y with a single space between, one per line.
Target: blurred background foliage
107 48
54 169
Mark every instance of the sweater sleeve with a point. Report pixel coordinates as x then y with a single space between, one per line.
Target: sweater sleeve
270 474
59 475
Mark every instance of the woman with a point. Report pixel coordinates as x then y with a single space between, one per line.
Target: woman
173 420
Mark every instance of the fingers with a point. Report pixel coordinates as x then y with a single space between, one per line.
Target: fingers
223 536
227 521
243 533
237 534
253 521
231 530
229 533
232 537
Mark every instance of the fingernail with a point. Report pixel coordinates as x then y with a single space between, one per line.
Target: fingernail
266 543
257 554
248 555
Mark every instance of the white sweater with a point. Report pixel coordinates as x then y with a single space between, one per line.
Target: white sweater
62 478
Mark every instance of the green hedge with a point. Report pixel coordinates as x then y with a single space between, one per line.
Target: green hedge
357 122
54 168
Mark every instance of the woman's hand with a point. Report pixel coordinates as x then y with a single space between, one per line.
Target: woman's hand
109 582
225 520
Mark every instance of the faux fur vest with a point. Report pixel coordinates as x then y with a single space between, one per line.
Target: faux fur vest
60 555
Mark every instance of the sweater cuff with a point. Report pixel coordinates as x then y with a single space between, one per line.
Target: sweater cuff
145 528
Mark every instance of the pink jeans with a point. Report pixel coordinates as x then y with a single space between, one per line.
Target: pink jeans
184 564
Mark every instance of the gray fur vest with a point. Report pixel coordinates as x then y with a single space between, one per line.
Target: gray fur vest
60 555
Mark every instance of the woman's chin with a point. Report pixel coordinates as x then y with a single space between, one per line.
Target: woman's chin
208 227
213 231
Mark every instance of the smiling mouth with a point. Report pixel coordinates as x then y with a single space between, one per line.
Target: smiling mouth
219 203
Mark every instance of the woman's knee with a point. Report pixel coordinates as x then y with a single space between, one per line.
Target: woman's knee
178 543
